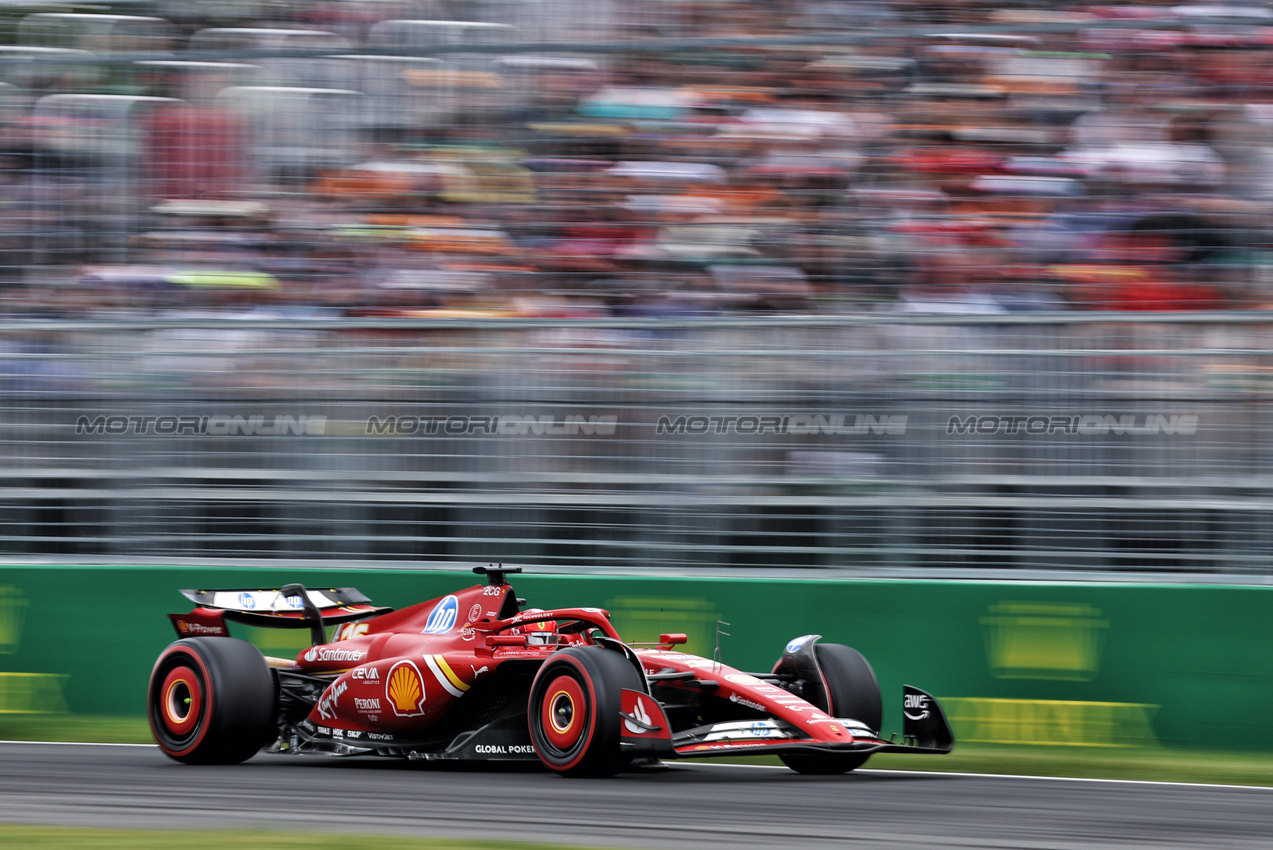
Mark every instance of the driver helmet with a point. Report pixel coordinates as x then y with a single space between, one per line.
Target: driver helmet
541 633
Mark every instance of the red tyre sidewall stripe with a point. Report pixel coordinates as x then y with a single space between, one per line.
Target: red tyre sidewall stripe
208 697
826 689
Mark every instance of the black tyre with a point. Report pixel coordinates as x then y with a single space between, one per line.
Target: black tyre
211 701
573 711
853 693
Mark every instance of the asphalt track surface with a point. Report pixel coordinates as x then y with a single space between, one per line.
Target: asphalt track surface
685 805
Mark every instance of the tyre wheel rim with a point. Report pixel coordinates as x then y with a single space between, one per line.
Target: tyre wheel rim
180 701
563 713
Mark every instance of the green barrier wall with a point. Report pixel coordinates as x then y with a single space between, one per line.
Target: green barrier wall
1086 663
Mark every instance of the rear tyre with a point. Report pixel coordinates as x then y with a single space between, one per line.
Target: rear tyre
853 693
211 701
573 711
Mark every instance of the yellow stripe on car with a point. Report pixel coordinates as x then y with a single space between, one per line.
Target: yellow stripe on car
446 677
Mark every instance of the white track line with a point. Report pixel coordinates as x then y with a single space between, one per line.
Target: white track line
75 744
1018 776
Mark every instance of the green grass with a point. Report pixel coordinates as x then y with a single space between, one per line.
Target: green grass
1156 764
74 727
1159 764
131 839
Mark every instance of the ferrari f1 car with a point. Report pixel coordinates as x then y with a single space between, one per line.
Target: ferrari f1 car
472 676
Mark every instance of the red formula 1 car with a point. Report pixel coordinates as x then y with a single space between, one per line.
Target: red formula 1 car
471 676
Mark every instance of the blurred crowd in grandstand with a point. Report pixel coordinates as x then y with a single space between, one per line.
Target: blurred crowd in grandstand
806 156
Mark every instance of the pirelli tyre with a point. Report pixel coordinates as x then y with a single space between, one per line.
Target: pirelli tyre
852 691
574 708
211 700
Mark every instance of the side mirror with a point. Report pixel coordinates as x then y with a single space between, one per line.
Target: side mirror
506 640
673 639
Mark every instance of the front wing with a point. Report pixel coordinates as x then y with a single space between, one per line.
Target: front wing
646 732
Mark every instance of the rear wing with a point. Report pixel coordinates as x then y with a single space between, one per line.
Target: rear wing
292 606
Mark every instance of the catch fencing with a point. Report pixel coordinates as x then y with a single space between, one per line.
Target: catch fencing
894 445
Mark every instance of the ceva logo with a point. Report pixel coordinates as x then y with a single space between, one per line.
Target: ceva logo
443 617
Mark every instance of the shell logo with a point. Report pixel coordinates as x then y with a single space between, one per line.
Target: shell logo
404 686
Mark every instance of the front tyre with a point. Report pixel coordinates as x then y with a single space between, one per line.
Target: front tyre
852 692
574 707
211 701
